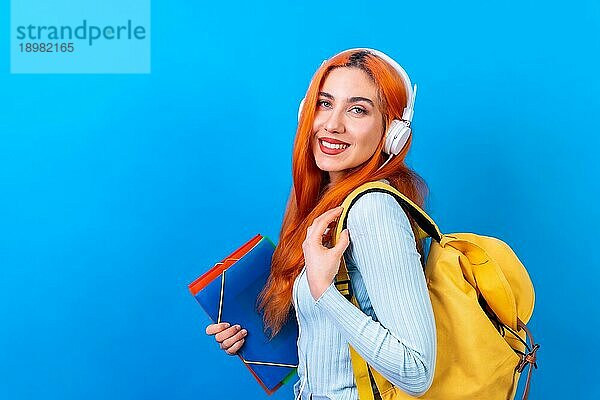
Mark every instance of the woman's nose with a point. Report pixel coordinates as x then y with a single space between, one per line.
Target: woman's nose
335 122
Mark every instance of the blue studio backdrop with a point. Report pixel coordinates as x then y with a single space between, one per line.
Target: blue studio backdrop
120 185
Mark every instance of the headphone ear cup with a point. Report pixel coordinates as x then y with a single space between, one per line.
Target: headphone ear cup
390 136
396 137
300 109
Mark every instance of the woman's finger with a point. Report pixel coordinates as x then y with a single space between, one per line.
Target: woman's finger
326 216
216 328
227 343
342 243
227 333
234 349
320 223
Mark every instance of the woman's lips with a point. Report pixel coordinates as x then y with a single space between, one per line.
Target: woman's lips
329 151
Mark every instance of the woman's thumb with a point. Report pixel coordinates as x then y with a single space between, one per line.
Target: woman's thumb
343 241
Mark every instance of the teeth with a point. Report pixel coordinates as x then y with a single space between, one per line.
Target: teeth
334 146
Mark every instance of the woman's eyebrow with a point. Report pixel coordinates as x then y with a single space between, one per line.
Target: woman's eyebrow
350 99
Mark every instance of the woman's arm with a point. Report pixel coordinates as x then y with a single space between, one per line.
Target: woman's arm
402 345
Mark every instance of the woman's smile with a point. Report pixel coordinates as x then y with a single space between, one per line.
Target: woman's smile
332 147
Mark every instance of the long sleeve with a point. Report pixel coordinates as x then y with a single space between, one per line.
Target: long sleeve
401 345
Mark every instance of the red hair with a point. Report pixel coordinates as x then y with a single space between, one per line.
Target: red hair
311 195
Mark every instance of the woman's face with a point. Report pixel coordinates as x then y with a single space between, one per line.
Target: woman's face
348 123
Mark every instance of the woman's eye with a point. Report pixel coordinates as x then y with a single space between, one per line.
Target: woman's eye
324 103
359 110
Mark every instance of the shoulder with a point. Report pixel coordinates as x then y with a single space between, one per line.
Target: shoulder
376 210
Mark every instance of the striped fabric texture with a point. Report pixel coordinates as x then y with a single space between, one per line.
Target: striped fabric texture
394 329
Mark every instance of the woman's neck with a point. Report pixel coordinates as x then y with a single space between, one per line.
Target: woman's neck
335 177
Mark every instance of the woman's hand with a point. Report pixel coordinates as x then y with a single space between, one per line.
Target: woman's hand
230 338
322 263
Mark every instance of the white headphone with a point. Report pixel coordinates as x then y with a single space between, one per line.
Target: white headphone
399 131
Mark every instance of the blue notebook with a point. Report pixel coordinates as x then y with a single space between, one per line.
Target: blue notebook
228 292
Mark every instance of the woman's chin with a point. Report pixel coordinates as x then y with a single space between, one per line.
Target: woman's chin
329 166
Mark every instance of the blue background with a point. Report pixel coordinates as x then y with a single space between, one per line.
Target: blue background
116 191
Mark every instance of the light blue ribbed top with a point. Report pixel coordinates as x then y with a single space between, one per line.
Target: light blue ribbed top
394 329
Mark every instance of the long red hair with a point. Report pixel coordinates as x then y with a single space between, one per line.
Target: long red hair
311 195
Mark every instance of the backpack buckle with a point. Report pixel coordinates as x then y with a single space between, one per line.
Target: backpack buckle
529 358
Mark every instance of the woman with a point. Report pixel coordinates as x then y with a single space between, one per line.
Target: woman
350 104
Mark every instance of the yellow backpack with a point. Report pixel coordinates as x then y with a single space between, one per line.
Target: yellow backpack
482 298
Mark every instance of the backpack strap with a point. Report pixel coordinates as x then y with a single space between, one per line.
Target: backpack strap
427 228
527 359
